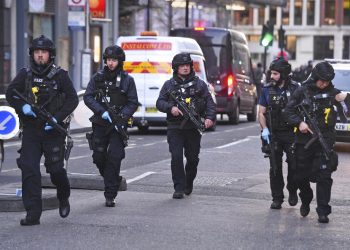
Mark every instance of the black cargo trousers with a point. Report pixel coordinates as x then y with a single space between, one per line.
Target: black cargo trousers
35 143
311 167
181 140
108 153
284 140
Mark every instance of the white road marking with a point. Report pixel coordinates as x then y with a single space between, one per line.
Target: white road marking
10 170
139 177
79 157
11 144
233 143
239 141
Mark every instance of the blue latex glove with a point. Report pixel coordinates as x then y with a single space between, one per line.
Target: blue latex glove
48 127
27 110
265 135
106 116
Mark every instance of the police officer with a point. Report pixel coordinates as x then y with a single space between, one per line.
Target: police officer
49 87
318 96
182 133
119 91
273 100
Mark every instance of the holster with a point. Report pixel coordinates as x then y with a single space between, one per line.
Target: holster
332 163
68 148
89 137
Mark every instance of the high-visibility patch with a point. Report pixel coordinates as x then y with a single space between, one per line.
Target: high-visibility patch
196 67
153 67
146 46
148 67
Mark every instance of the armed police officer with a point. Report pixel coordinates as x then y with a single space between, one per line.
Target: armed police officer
111 95
312 109
186 99
277 135
48 87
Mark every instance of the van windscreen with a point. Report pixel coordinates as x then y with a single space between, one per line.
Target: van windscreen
213 44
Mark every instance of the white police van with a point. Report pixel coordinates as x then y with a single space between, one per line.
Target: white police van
148 61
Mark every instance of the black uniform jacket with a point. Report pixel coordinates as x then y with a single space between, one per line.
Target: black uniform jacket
293 116
164 102
64 85
127 85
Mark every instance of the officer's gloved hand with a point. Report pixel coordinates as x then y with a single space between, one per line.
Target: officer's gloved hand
27 110
106 116
48 127
265 135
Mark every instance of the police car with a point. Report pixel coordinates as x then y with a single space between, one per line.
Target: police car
342 82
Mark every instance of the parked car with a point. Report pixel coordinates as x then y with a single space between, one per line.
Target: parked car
342 82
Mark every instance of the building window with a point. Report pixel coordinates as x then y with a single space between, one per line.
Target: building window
298 12
285 14
253 38
311 12
329 15
291 46
323 47
346 47
346 12
261 19
241 17
273 14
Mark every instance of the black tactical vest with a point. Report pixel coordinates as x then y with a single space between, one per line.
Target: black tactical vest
276 104
323 110
111 89
44 90
191 94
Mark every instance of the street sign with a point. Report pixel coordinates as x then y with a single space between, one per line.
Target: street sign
76 14
9 123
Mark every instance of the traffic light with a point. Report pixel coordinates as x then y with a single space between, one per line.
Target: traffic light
281 36
267 35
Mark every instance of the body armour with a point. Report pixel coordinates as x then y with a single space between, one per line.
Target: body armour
111 89
276 104
321 107
191 94
43 90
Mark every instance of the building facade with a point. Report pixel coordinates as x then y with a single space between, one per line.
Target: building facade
315 29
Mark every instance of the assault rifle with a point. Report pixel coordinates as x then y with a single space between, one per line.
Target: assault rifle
117 120
317 135
272 144
47 117
188 111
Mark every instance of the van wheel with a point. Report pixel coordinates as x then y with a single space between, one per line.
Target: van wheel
251 117
234 116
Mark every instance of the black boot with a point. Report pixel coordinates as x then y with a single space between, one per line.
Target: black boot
304 209
293 198
110 202
178 195
64 208
29 222
323 219
189 188
276 205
